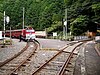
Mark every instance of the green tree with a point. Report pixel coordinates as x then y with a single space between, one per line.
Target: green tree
41 14
79 25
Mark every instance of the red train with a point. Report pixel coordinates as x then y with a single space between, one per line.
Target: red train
25 34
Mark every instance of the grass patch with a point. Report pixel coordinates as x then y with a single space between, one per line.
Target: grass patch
7 42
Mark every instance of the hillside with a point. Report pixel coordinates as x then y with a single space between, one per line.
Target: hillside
41 14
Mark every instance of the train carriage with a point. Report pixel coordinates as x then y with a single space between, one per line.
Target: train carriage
27 33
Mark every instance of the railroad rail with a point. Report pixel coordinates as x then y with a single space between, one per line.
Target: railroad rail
10 66
28 64
97 48
8 60
60 70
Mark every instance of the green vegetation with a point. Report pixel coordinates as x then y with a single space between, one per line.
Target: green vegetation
41 14
7 42
79 25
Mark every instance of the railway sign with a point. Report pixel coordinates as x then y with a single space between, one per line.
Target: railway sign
7 19
65 23
54 33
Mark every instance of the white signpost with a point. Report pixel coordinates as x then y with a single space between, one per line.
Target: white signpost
54 34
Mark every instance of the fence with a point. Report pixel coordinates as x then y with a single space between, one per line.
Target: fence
80 37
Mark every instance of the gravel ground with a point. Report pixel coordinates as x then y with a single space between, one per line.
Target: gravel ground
9 51
92 60
39 58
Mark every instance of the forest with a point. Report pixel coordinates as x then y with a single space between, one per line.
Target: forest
50 14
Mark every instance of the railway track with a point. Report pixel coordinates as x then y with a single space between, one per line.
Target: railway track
57 64
30 62
10 66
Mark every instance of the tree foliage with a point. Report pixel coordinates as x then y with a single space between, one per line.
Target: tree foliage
79 25
41 14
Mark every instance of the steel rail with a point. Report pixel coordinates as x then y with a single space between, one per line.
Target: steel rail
62 70
16 55
67 52
22 61
12 73
60 51
97 50
56 50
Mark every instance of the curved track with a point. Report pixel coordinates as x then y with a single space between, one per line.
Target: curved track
11 65
56 65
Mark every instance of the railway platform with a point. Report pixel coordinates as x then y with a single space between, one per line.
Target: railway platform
11 50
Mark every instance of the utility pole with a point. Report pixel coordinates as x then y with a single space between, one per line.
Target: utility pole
23 16
63 31
8 20
66 23
4 30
